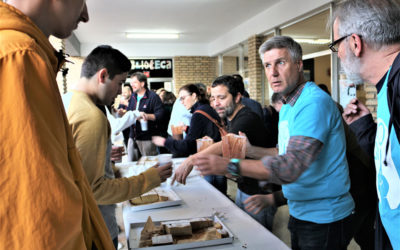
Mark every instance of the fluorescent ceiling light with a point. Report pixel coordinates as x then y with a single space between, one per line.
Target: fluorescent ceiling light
312 41
152 35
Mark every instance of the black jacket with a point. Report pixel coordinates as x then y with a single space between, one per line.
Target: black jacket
251 124
199 126
365 127
150 104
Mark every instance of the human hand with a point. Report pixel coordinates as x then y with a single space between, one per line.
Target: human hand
117 153
248 145
183 171
258 202
158 141
121 112
143 116
208 138
211 164
164 171
354 111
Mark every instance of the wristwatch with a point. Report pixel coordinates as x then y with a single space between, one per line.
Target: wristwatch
234 167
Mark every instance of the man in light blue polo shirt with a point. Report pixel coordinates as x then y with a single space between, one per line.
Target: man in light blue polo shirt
311 164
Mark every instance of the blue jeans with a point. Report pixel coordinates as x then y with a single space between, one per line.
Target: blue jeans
265 217
218 181
310 236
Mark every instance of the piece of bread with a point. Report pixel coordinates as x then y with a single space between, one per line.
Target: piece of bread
199 223
147 199
217 225
162 240
178 228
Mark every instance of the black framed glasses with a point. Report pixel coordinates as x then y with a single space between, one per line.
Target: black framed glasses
335 44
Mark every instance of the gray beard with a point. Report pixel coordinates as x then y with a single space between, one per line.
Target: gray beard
351 66
230 109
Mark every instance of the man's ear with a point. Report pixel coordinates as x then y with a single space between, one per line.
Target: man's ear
356 44
238 98
102 75
300 65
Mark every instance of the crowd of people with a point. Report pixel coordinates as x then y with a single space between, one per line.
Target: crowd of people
336 169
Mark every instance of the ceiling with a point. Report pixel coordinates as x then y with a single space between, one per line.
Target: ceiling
197 21
205 27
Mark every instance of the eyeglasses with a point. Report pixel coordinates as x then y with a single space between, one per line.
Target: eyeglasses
334 46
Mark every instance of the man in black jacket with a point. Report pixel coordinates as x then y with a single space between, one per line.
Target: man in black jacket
226 96
367 39
150 106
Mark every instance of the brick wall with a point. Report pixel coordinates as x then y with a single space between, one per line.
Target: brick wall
255 68
367 95
229 65
193 69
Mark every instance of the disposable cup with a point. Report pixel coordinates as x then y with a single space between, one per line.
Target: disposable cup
143 124
121 149
164 159
203 143
177 131
234 146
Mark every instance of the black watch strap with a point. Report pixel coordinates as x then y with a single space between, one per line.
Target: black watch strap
234 167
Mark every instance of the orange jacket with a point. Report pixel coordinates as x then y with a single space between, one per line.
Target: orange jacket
45 198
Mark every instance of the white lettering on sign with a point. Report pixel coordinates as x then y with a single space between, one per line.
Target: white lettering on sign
153 64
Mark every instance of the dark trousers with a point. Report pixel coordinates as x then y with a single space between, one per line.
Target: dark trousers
307 235
115 241
218 181
364 222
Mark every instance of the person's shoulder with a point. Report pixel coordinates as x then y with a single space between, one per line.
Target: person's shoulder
247 113
12 41
312 94
82 107
208 109
204 107
250 101
151 93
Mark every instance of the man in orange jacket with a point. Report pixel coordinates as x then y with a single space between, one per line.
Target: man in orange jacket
45 198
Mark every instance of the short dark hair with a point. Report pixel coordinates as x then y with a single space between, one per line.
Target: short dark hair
202 86
140 76
240 83
105 56
129 86
201 93
276 97
324 88
230 82
169 98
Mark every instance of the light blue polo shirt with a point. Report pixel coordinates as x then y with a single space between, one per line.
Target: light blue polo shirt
321 193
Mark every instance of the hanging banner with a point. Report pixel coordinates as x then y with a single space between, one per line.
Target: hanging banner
153 67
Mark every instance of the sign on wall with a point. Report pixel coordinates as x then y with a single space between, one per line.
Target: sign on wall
153 67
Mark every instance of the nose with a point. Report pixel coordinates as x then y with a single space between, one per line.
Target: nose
274 71
84 14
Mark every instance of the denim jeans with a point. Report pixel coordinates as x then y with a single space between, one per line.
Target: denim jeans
218 181
310 236
265 217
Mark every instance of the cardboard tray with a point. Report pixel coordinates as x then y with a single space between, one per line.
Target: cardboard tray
136 228
173 200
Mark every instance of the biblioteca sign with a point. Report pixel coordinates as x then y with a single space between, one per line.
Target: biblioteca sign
153 67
